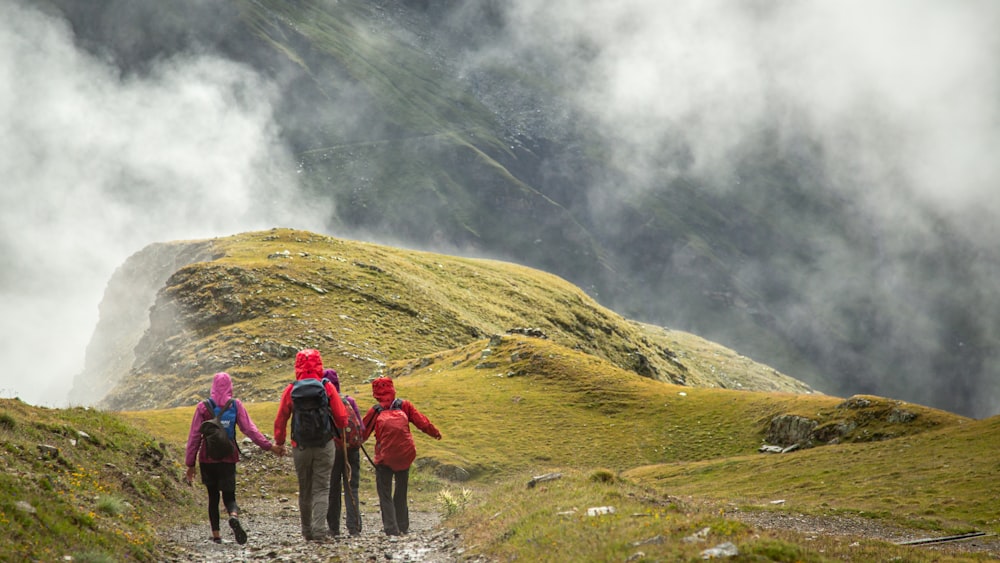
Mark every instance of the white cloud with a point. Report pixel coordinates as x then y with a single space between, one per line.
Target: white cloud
96 165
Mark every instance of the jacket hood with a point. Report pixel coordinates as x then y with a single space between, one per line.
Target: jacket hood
308 364
384 391
330 375
222 388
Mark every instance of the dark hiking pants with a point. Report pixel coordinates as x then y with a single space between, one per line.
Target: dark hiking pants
392 503
341 486
220 481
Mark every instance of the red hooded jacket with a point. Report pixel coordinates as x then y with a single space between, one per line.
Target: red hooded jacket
308 364
393 449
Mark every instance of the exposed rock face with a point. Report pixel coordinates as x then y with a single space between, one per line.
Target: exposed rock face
124 315
789 429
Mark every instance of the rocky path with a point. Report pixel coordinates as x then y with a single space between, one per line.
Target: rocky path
273 530
271 520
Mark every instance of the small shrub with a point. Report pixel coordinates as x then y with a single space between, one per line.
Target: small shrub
7 421
452 503
603 476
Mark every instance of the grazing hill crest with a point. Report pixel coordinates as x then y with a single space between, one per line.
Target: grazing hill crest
176 313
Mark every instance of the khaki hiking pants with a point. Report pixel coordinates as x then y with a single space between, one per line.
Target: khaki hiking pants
312 468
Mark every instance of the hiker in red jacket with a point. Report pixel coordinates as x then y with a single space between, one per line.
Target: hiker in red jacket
313 448
219 475
394 451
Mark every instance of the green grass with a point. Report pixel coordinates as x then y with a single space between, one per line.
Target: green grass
672 461
551 522
78 483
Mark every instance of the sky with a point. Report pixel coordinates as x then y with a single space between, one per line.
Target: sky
95 166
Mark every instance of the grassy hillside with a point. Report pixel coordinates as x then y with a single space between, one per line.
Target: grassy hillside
675 462
672 460
264 295
84 484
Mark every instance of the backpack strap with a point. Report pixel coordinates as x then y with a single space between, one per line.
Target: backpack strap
396 404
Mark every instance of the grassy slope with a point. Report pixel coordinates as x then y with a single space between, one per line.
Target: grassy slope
364 305
667 457
88 500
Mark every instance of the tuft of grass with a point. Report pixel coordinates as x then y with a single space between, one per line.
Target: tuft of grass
111 505
93 557
603 476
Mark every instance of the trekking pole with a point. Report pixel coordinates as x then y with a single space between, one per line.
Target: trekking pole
368 456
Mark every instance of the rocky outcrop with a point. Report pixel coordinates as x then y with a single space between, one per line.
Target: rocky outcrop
857 419
124 315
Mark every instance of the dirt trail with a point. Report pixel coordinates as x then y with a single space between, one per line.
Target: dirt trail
271 520
274 535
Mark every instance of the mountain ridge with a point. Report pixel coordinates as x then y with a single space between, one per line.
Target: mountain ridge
246 303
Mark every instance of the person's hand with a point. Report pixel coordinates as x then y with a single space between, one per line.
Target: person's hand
189 475
278 450
438 437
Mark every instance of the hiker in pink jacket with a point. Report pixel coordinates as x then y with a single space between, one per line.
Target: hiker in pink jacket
219 475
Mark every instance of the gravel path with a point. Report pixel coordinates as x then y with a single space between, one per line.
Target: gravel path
274 535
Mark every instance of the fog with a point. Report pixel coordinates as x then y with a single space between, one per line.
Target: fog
892 107
95 165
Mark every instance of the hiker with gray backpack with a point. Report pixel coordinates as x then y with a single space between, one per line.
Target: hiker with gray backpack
317 413
212 443
395 451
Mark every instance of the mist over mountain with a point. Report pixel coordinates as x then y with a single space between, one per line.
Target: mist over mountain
807 183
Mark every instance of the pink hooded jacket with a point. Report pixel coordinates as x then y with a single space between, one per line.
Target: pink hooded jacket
222 391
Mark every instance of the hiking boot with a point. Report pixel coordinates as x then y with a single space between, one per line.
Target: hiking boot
238 531
215 539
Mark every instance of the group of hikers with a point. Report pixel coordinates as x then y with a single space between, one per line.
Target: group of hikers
327 434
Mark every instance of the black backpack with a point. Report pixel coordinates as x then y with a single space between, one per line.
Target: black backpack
218 444
312 420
